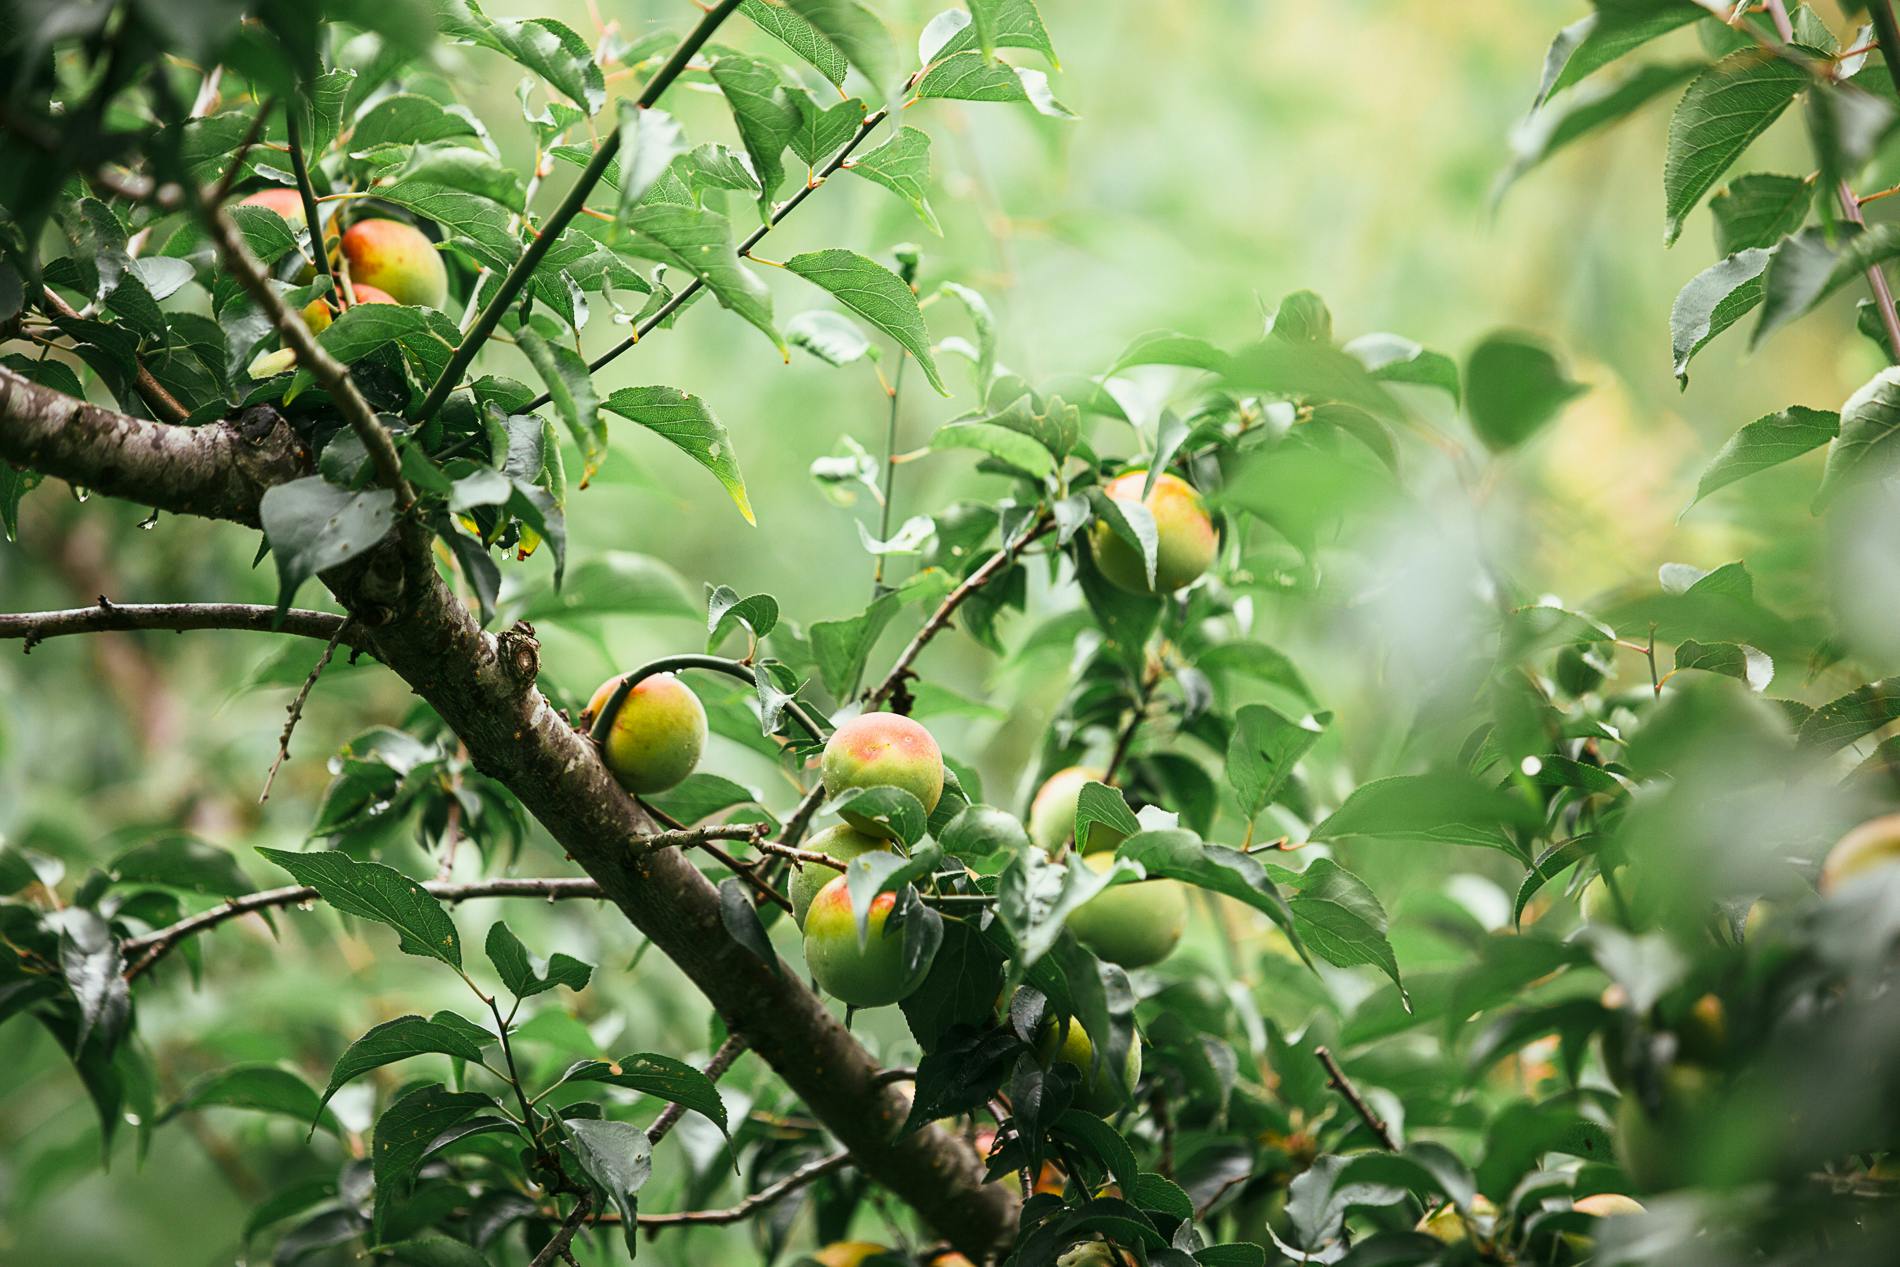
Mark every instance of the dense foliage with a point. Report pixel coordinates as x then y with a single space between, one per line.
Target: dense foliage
1137 999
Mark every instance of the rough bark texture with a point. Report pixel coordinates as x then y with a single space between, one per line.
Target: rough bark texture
429 638
219 470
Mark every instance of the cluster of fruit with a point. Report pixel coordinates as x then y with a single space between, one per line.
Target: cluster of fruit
384 262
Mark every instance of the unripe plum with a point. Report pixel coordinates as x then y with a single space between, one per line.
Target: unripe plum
659 735
1052 813
871 975
1133 925
1185 537
397 258
1873 844
883 749
1100 1092
843 842
318 316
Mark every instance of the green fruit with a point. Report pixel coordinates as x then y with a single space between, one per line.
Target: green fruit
1052 813
879 750
659 735
871 975
1448 1225
1133 925
1185 537
1659 1151
1100 1091
397 258
843 842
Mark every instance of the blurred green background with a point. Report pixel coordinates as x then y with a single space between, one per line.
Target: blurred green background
1227 152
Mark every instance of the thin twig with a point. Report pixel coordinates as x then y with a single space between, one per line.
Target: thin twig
896 391
801 817
1338 1081
296 710
307 192
1126 739
803 1176
569 1229
142 952
715 1069
803 856
36 627
939 620
688 837
150 390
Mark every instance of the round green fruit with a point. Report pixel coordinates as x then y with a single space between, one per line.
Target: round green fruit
1052 813
1133 925
1446 1224
1869 846
1185 537
399 259
879 750
871 975
1100 1092
658 738
843 842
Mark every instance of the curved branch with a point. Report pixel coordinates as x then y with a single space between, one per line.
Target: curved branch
805 1175
142 952
722 1060
939 620
219 470
36 627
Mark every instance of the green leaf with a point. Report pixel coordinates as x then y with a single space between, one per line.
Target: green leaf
830 336
856 31
1758 210
184 863
1806 268
1765 442
1133 522
1731 659
968 76
1514 387
662 1076
1448 807
451 165
961 987
725 608
649 142
1006 444
571 389
842 646
1869 422
312 525
425 337
267 234
400 1039
792 29
1340 918
1725 109
1001 24
1264 749
764 112
742 922
1616 28
687 422
548 48
1715 299
1392 358
819 131
1311 371
1181 855
405 1132
525 973
890 811
1098 804
876 294
477 225
260 1089
1553 127
408 119
1854 715
700 242
435 1251
902 165
370 890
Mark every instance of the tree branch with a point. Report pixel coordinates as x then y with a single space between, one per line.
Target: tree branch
939 620
563 215
161 402
570 1228
715 1069
295 710
142 952
1336 1079
36 627
805 1175
219 470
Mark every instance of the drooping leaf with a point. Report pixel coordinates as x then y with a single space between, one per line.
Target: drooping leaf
699 241
1714 299
968 76
313 525
876 294
1514 387
1779 437
400 1039
524 973
260 1089
687 422
1869 422
406 1131
1263 751
1446 807
370 890
795 31
902 165
1758 210
1616 28
1726 107
661 1076
618 1157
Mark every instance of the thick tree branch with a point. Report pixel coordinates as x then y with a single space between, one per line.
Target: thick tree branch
142 952
36 627
219 470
